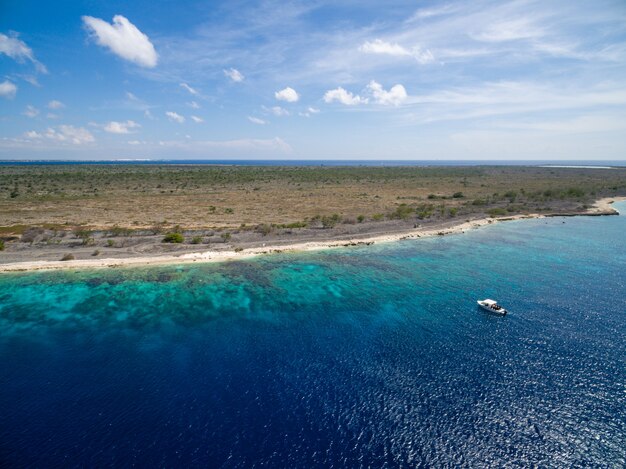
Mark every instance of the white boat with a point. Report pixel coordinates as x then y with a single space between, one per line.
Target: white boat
492 306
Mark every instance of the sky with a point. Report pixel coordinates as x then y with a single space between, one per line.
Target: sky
417 80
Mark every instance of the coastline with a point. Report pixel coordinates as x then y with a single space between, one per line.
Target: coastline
601 207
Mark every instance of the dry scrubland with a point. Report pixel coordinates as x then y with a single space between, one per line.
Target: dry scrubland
97 205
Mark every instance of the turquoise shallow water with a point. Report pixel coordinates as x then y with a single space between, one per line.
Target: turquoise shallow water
363 357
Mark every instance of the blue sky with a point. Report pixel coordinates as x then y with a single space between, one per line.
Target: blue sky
313 79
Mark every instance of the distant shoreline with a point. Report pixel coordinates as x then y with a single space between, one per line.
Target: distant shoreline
588 164
601 207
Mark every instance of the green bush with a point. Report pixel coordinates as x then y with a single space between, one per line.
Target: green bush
360 218
453 211
496 212
196 240
173 238
225 236
68 257
330 221
402 212
458 195
1 245
378 217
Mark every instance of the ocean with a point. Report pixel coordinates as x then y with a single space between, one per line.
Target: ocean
373 356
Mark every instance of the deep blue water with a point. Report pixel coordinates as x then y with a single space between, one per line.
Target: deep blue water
359 357
319 162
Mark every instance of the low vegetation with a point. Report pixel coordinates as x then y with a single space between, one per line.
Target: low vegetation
40 203
173 238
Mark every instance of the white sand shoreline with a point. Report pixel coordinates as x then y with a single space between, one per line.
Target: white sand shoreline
601 207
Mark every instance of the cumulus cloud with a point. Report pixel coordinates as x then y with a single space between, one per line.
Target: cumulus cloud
31 111
344 97
197 120
54 104
127 127
190 89
288 94
19 51
70 134
378 46
395 96
32 134
7 89
309 111
175 117
256 120
277 111
123 39
234 74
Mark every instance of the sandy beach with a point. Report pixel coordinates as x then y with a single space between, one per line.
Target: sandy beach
601 207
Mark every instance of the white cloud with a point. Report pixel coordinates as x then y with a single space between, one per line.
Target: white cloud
174 117
193 105
288 94
32 134
378 46
190 89
18 50
256 120
395 96
277 111
123 39
234 74
197 120
7 89
131 96
51 115
148 114
127 127
31 111
344 97
70 134
54 104
309 111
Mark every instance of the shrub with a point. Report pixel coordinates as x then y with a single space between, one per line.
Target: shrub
68 257
479 202
95 253
238 249
378 217
265 229
196 240
225 236
360 218
1 245
458 195
402 212
330 221
173 238
453 211
432 196
119 231
110 243
575 192
496 212
511 195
